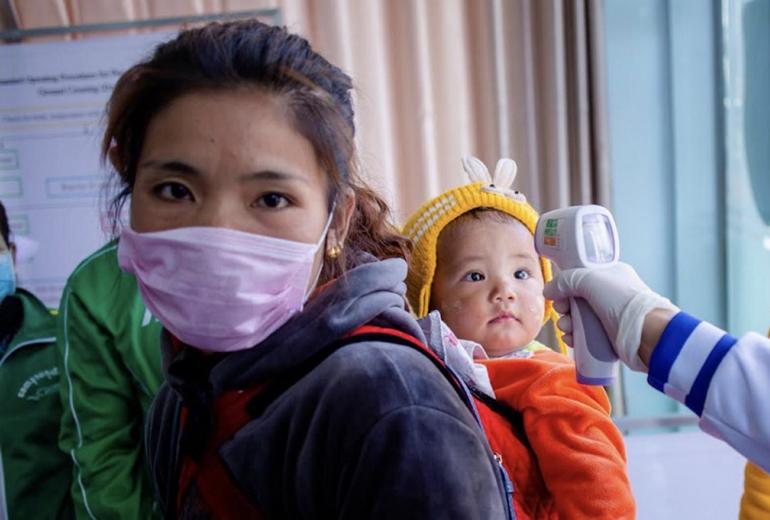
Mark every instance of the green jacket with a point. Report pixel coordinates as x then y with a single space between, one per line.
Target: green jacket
110 353
34 473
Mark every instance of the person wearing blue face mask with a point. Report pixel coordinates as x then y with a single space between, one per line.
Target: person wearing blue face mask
34 473
7 274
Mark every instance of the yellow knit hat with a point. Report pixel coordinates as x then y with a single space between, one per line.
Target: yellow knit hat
426 224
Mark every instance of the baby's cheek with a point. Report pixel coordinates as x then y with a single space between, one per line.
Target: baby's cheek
449 310
537 306
451 307
459 317
533 304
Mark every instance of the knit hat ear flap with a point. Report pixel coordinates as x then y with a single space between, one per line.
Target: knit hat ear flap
426 224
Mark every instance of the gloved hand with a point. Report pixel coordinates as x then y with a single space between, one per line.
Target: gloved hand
620 300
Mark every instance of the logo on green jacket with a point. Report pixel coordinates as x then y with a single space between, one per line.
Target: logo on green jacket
40 385
148 318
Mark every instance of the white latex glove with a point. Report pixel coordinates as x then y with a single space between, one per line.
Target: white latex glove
620 300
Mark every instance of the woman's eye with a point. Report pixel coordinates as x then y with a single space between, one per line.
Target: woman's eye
173 191
272 200
521 274
473 276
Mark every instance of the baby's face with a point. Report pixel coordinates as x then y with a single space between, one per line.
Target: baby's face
488 283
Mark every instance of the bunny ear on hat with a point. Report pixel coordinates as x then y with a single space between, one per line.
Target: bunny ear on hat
505 174
477 171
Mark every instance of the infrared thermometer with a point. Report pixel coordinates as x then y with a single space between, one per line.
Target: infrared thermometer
583 236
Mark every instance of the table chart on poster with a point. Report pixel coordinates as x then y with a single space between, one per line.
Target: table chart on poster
52 182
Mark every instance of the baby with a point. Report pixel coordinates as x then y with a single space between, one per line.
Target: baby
474 261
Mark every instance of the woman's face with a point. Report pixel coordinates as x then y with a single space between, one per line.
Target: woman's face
230 159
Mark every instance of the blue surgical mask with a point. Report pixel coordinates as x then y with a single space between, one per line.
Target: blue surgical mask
7 275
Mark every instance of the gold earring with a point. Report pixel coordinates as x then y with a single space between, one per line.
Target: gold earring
334 251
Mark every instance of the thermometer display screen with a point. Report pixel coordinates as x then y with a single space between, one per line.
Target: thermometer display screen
597 239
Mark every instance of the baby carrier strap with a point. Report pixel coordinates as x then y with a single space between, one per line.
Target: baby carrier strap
206 473
489 420
233 409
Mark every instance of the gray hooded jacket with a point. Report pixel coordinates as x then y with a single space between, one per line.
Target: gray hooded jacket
371 431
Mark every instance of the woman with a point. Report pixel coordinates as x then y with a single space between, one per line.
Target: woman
34 474
256 246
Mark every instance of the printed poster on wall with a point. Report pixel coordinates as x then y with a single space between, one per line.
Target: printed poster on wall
52 183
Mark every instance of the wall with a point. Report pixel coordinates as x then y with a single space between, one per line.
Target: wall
666 159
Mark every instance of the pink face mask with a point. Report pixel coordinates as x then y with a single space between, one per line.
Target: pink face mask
219 289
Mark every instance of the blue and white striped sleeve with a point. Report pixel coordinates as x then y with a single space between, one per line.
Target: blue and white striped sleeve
723 379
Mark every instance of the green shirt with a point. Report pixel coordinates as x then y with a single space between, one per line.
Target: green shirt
109 346
34 474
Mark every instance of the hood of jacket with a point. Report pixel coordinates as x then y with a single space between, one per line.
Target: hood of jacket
36 325
373 292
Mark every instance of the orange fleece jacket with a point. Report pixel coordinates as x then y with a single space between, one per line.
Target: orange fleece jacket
580 452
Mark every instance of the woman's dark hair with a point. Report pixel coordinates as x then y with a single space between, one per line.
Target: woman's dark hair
251 54
5 230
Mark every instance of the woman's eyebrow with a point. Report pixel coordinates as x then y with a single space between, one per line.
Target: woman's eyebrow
273 175
172 166
186 169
